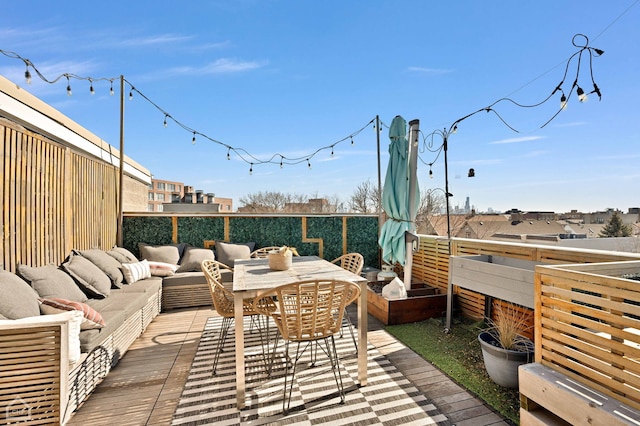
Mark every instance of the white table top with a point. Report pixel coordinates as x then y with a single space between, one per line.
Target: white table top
255 274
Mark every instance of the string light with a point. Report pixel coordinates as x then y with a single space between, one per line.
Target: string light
428 141
308 164
582 97
68 87
243 154
281 159
91 89
251 169
193 141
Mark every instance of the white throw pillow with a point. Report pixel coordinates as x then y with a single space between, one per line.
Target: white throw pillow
162 269
136 271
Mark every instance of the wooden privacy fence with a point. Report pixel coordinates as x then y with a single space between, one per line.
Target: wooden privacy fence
54 199
587 326
431 262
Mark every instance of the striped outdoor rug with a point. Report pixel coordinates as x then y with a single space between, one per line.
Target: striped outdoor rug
388 398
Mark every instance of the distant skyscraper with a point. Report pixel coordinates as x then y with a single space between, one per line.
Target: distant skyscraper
467 207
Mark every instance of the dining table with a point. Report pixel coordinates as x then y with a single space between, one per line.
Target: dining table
251 276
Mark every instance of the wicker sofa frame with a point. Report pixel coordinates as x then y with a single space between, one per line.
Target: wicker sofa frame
34 365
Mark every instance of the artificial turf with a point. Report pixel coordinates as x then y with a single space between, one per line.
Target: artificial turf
458 355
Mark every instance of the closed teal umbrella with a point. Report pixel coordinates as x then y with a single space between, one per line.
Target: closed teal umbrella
396 194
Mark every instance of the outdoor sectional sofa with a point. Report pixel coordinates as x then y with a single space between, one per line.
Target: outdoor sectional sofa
62 328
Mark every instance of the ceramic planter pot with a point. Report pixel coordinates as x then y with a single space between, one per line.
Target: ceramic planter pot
502 364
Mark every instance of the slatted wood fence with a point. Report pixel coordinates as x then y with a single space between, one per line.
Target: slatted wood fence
588 326
53 199
431 262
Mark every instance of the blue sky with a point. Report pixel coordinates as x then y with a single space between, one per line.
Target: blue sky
272 76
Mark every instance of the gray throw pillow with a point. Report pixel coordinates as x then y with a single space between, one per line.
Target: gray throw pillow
192 259
122 255
166 253
107 264
89 277
227 253
50 281
17 299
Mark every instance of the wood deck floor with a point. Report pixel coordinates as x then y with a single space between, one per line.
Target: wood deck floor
145 386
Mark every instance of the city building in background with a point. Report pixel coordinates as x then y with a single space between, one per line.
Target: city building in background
170 196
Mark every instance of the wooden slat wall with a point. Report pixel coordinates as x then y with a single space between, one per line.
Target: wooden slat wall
31 387
431 263
587 327
53 199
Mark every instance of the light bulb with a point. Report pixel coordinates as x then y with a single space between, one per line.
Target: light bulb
193 140
251 169
69 90
91 89
111 89
563 101
430 174
351 140
582 97
165 121
131 95
308 163
229 154
27 76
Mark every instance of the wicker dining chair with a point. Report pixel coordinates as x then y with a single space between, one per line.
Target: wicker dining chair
224 305
263 253
309 312
352 262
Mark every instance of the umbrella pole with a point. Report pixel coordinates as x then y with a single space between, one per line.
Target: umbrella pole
414 128
379 192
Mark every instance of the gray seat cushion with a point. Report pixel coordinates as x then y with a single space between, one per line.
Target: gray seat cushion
89 339
107 264
169 253
50 281
127 302
192 259
227 253
122 255
89 277
148 285
184 278
17 298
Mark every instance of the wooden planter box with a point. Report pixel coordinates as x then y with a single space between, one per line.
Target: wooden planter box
423 302
505 278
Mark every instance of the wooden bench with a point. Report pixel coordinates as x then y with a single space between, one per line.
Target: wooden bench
548 397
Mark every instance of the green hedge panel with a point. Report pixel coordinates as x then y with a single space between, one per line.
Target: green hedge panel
362 233
195 230
145 229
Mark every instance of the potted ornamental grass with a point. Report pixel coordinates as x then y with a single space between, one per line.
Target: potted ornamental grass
504 346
